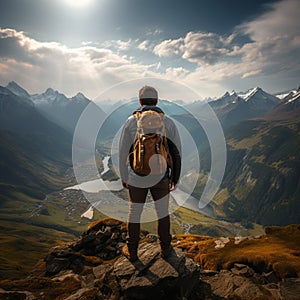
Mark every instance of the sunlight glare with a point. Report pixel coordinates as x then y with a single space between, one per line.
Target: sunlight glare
78 3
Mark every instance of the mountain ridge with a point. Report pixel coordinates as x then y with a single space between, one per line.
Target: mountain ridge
55 106
233 108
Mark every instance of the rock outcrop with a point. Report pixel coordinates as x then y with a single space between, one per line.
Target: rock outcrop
93 268
152 277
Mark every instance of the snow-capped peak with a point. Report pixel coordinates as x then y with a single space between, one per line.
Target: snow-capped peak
5 91
258 95
17 90
50 96
284 95
227 94
293 96
80 98
50 92
228 97
246 95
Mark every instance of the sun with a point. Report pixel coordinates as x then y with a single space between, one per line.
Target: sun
78 3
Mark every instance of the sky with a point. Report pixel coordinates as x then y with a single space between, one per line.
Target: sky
210 47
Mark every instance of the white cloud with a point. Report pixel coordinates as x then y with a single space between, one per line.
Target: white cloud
144 46
198 47
169 47
176 73
154 32
204 48
88 43
275 38
38 65
118 44
282 20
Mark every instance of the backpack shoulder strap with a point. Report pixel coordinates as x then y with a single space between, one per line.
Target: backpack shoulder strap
139 128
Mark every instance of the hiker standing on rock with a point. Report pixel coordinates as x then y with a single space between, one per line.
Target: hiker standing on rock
149 160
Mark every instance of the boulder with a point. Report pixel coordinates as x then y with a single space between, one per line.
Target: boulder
152 277
226 284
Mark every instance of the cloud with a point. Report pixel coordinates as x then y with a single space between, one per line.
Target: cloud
168 47
268 45
205 48
281 20
144 46
275 38
118 44
176 73
154 32
198 47
38 65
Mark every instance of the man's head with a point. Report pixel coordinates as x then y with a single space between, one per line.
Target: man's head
148 95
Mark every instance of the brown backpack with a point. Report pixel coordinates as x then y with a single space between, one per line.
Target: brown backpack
150 153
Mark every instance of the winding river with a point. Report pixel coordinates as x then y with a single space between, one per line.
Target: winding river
97 185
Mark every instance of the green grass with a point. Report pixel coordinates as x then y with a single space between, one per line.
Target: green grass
22 245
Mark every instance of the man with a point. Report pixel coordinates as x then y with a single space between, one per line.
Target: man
138 186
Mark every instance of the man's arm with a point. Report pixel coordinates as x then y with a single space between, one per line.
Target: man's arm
174 145
124 146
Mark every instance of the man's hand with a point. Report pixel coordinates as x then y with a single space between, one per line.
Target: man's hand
173 186
124 184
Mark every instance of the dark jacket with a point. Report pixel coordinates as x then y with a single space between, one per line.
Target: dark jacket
128 136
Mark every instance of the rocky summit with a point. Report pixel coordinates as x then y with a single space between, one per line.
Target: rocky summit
92 267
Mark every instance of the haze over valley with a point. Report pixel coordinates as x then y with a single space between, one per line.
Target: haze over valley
260 186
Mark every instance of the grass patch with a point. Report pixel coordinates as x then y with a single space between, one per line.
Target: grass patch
221 197
22 245
241 191
278 251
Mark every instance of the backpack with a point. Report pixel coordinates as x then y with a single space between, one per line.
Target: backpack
150 152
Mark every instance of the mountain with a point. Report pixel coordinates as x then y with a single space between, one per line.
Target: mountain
261 181
17 90
285 94
35 158
233 107
124 109
55 106
288 109
226 99
35 149
62 110
293 99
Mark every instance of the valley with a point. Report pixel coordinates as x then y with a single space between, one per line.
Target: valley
39 209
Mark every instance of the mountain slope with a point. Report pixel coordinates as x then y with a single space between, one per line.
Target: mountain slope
261 182
288 109
234 108
17 90
61 110
35 152
35 155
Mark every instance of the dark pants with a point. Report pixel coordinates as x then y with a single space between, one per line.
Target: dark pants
160 194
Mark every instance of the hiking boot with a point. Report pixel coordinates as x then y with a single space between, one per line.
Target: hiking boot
166 251
130 253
